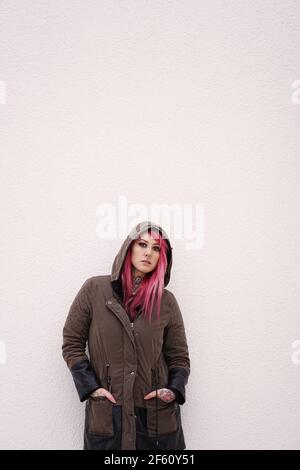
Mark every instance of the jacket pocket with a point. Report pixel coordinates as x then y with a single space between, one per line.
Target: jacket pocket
161 419
101 417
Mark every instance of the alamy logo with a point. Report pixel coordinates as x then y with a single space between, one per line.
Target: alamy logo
179 221
2 352
295 99
296 354
2 92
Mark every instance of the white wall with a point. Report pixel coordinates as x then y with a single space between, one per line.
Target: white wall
162 102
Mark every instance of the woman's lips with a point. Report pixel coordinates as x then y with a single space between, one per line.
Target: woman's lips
144 261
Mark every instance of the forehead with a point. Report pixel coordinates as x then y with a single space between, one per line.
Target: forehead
151 237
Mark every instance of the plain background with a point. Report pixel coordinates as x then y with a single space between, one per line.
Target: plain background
162 102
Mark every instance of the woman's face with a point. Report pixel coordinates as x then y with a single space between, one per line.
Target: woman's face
145 248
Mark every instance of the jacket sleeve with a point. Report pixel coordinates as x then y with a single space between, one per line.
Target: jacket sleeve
176 353
75 335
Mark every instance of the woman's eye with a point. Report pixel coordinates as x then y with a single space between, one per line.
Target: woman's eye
157 248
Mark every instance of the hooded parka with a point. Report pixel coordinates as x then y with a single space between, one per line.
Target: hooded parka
128 358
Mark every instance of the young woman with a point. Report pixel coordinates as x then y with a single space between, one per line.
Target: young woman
134 376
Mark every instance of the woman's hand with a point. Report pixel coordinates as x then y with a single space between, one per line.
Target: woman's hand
164 394
102 392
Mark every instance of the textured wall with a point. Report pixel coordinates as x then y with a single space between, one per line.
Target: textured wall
165 101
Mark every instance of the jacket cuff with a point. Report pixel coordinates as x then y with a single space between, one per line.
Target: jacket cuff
177 380
85 379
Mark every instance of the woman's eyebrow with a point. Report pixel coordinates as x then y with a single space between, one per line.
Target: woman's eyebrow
147 241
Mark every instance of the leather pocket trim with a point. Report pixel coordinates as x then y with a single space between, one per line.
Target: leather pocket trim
167 417
101 417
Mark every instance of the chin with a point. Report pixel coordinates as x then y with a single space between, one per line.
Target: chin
145 270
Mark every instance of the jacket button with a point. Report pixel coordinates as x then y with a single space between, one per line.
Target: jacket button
132 373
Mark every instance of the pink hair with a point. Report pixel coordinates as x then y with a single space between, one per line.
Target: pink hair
149 293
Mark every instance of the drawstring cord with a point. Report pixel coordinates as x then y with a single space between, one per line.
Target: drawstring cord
156 381
108 378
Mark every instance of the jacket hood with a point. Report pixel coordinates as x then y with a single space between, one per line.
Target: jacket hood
120 257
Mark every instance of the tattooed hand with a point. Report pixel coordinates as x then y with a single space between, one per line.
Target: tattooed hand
164 394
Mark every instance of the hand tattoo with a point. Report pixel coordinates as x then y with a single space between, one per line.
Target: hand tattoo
166 395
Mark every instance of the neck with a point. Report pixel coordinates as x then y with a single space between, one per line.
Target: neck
136 273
